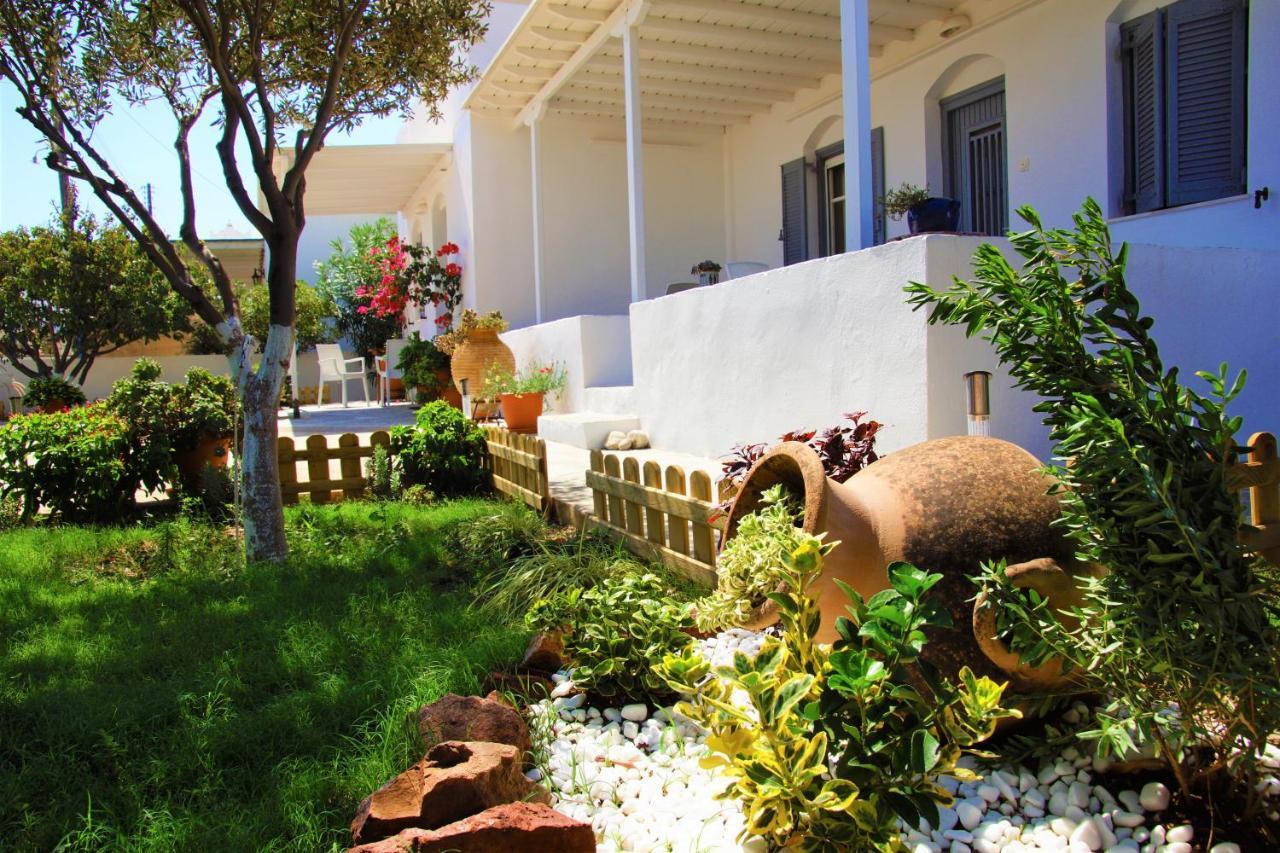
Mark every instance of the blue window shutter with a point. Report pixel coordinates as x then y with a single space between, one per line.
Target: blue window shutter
1143 42
877 184
795 238
1205 96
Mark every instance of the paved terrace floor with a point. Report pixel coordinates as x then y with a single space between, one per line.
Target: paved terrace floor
566 465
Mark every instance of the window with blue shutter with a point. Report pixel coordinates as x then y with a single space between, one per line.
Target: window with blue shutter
1184 104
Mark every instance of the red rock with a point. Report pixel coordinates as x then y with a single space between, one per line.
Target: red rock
470 718
514 828
545 652
454 781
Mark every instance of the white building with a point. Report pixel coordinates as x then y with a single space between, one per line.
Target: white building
610 145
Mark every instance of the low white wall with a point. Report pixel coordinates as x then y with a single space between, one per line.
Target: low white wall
595 350
797 347
107 370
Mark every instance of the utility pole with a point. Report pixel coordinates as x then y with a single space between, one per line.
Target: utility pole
147 187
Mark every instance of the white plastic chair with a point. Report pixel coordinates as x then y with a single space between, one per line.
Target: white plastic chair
334 368
740 269
387 369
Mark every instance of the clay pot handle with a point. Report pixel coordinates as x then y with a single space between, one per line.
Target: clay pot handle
1046 577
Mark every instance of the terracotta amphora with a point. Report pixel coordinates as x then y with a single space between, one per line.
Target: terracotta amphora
946 506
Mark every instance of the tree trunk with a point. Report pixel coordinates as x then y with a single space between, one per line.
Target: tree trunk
260 395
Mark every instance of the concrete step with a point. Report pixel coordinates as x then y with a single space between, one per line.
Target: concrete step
609 399
587 430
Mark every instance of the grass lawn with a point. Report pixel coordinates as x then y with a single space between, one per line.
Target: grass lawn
155 695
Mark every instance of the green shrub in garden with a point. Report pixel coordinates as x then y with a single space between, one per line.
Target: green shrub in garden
1185 617
205 406
835 745
145 403
73 462
444 451
616 633
747 570
52 392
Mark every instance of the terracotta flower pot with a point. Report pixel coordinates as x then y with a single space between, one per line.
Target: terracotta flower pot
446 389
521 411
215 452
473 358
944 505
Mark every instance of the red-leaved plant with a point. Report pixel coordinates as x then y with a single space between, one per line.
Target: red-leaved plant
844 451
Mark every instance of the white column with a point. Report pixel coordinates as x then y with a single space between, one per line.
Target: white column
855 72
635 155
535 143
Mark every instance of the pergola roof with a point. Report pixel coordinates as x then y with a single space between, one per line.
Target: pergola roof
367 178
703 62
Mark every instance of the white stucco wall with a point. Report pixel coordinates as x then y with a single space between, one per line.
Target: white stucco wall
594 350
1060 62
749 359
318 235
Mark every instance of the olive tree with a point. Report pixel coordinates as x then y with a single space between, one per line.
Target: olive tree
279 78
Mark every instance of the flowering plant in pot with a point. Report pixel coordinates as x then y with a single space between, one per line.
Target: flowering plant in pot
474 347
523 393
925 213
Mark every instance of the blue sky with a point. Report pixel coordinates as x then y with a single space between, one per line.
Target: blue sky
138 142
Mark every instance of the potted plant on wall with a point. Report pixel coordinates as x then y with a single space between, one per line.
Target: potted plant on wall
925 213
523 393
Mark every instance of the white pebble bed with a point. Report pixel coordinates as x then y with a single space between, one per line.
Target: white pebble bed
632 773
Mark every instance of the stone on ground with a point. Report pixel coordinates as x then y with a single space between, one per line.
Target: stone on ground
513 828
545 652
454 781
456 717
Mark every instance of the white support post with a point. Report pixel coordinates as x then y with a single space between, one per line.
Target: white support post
635 151
534 121
855 81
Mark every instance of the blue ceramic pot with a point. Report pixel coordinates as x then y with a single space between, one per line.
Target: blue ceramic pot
934 214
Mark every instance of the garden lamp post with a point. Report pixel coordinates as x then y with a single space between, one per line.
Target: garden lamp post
978 385
466 399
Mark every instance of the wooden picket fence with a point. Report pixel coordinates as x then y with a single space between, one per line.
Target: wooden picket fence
1259 474
317 453
518 465
661 515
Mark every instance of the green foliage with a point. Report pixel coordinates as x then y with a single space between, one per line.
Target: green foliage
382 476
47 393
351 266
145 403
311 325
205 406
156 693
547 568
1185 616
534 379
444 451
837 744
419 361
616 631
73 462
73 291
492 542
750 565
10 511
